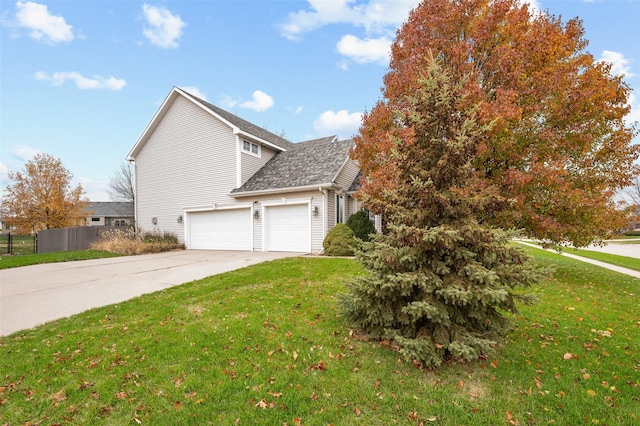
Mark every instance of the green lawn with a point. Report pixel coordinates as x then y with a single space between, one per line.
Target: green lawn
15 261
264 345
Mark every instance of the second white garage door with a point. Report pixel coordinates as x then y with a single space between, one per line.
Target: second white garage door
220 230
287 228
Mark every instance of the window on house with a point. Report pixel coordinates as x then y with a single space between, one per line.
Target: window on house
339 209
250 147
95 219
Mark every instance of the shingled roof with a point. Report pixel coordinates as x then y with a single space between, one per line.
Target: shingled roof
111 208
314 162
243 124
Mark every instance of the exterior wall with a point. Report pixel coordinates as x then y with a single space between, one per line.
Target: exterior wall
347 175
108 221
189 160
250 164
315 198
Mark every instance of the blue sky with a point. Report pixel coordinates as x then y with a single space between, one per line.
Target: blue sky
80 80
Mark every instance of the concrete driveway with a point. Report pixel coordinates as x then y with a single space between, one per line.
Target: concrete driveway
33 295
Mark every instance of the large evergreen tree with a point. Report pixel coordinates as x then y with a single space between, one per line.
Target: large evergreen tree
438 281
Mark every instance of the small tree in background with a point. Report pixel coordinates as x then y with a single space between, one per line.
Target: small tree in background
361 225
41 197
438 281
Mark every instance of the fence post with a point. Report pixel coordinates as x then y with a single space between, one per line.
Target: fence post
9 243
35 243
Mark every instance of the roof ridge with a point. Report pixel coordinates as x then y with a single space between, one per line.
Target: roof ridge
241 123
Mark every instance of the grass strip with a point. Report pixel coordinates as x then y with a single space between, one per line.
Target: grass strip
613 259
264 345
14 261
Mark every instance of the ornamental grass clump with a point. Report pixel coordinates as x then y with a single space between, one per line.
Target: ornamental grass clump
131 242
439 281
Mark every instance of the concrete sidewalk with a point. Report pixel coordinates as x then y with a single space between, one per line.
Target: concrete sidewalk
610 248
33 295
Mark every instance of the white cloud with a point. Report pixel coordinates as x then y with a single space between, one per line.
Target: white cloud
534 5
43 26
364 51
163 28
296 110
4 174
83 83
24 152
634 114
227 101
261 102
619 64
94 190
195 92
342 123
376 16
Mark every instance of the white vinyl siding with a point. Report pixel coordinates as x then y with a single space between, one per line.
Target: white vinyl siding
347 175
188 160
251 164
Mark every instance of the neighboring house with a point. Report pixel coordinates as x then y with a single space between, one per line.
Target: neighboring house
221 183
110 213
5 228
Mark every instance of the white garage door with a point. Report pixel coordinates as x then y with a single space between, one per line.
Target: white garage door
220 230
287 228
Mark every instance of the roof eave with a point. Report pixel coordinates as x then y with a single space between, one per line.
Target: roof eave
272 191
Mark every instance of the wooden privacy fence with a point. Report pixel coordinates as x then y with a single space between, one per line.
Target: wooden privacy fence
64 239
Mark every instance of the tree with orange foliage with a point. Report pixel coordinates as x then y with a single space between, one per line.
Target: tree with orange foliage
41 197
558 148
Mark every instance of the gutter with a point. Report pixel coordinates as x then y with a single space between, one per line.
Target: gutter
283 190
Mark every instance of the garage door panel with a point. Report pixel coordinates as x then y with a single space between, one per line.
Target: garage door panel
287 228
220 230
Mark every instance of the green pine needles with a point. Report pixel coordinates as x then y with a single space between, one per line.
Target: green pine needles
439 282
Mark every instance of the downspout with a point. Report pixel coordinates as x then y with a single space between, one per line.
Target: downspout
135 195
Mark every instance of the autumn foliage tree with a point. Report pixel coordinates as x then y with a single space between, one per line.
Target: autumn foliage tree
438 282
41 197
558 148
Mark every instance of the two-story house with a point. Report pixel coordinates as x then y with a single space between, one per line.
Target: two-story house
222 183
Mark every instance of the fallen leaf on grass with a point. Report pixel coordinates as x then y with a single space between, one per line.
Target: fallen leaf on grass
356 410
591 392
569 355
59 396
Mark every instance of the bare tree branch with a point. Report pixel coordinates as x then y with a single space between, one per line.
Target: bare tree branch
121 183
632 192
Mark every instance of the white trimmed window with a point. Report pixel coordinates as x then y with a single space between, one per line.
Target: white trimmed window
251 148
